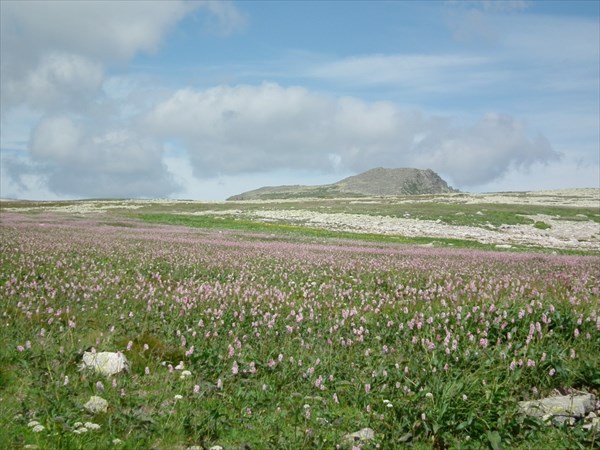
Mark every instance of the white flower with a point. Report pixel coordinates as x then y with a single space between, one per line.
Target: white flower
33 423
80 430
38 428
77 425
117 441
185 374
178 397
92 426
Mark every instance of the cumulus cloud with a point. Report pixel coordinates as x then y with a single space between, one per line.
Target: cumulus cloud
245 129
82 140
43 43
108 163
485 151
127 27
59 81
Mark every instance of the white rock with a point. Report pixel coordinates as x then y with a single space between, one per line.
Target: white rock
361 436
96 405
593 425
106 363
561 409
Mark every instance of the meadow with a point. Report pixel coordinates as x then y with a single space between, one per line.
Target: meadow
251 339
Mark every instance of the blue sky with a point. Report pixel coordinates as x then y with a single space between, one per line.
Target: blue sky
204 100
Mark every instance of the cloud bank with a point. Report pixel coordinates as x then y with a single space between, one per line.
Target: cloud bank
245 129
113 163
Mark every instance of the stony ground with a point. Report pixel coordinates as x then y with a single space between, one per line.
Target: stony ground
566 234
582 233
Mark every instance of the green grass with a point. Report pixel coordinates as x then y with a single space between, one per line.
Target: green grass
542 225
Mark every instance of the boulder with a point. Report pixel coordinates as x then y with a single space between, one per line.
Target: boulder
105 363
560 409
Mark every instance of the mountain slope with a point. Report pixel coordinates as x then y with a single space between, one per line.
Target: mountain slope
372 183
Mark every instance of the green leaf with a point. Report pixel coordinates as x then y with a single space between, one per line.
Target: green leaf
494 438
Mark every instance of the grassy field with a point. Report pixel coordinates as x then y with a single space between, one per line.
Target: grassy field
292 337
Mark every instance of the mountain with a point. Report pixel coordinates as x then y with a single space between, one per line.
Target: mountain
372 183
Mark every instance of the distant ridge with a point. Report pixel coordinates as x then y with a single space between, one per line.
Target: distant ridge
372 183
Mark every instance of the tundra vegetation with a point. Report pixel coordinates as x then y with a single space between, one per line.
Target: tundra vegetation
270 335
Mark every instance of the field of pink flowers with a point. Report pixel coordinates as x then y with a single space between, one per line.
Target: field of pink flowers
254 341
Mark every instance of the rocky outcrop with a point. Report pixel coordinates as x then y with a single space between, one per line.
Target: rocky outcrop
372 183
562 408
383 182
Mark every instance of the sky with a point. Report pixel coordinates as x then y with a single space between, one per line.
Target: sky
206 99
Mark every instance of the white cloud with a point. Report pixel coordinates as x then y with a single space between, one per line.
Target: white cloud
568 173
429 73
245 129
528 39
485 151
229 19
497 6
55 51
79 125
59 81
94 163
541 39
57 139
103 30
